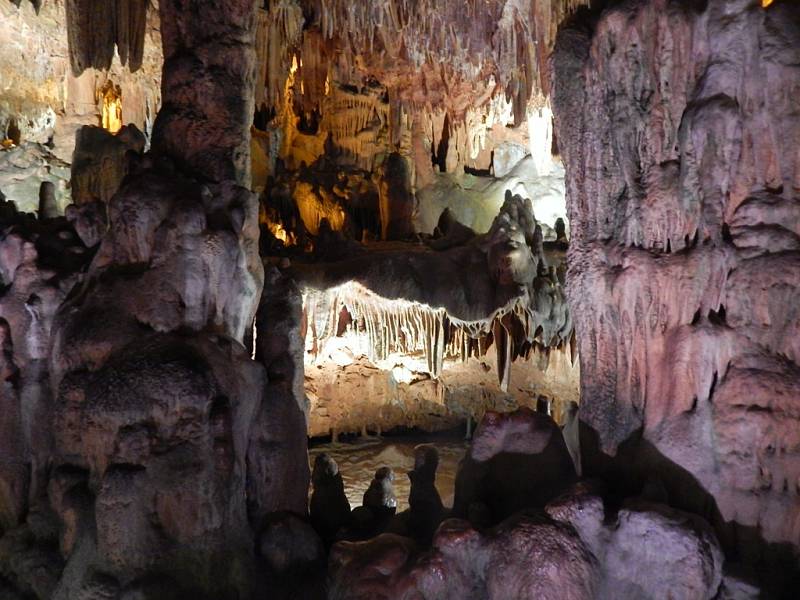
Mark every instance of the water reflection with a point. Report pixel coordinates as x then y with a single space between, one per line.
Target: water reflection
359 460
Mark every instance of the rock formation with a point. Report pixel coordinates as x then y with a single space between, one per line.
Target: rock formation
462 299
166 451
504 268
379 497
39 264
678 127
302 218
516 460
574 545
277 453
533 556
329 507
426 509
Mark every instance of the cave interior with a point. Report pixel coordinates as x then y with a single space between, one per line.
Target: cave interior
399 299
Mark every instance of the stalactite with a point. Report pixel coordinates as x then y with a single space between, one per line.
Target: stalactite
399 327
357 122
131 20
95 27
282 29
491 52
471 35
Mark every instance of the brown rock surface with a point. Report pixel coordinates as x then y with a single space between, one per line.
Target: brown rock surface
101 161
526 557
208 85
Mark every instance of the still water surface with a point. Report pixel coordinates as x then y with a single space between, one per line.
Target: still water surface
359 460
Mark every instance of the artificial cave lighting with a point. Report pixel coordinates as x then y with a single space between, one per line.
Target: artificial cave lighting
111 97
280 233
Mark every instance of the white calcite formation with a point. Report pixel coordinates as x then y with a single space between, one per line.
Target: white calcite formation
401 328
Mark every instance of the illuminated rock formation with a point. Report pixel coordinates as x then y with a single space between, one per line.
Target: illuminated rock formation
443 302
160 463
453 98
388 325
678 127
45 101
100 162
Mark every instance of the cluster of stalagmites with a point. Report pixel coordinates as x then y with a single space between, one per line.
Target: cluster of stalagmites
522 526
455 297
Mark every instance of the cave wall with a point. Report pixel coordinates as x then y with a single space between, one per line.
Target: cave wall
44 101
679 128
350 394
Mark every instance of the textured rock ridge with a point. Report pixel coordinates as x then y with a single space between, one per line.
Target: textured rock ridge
208 86
678 125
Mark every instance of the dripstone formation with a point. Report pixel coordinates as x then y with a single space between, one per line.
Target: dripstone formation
679 128
157 451
263 222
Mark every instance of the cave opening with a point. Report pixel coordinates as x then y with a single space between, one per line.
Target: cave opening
399 299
